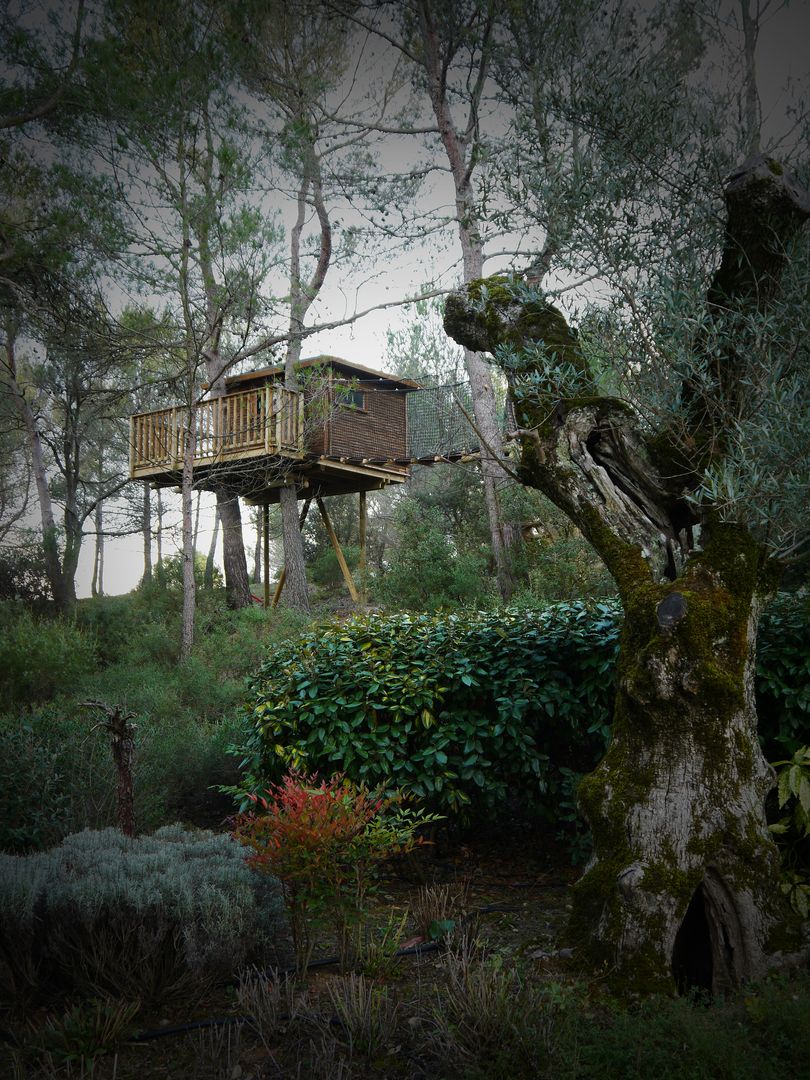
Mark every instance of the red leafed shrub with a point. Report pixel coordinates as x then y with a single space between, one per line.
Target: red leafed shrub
323 839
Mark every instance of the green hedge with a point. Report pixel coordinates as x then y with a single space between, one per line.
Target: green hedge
477 712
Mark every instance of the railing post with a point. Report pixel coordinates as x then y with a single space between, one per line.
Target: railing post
268 412
173 439
277 426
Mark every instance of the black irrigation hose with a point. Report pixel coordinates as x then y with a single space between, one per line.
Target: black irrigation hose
223 1021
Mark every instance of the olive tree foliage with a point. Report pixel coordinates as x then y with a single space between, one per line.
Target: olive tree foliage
672 432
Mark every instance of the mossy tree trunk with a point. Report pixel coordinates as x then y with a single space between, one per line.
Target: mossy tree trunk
683 886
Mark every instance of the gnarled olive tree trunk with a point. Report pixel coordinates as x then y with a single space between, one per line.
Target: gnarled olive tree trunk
683 886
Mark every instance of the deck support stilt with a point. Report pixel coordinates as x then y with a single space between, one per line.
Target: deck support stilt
266 553
347 576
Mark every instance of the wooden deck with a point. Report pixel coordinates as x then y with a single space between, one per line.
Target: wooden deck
264 422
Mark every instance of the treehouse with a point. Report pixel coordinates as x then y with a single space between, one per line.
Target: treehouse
345 430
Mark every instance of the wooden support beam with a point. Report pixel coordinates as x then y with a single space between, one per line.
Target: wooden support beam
344 566
363 525
266 553
282 577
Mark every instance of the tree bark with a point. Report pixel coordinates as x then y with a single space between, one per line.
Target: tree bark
97 583
461 152
683 887
234 561
53 565
146 529
296 592
208 579
257 547
189 584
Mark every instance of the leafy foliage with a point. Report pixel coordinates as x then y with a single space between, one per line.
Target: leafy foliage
323 839
38 657
478 712
783 674
793 828
461 711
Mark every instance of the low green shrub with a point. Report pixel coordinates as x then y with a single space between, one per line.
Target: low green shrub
428 572
40 657
490 1024
57 774
460 711
140 919
476 712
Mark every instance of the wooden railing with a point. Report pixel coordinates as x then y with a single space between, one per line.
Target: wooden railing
269 420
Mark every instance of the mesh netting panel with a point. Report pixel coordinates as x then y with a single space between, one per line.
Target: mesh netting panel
437 425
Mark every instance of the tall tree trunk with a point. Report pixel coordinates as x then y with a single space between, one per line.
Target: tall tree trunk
208 579
237 582
683 888
53 565
461 154
97 582
257 547
301 297
197 519
189 584
296 592
159 531
146 530
234 560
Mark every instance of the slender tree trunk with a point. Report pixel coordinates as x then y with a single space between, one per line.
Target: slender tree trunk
146 529
301 297
189 585
159 531
296 592
257 547
53 566
197 519
208 579
97 583
460 156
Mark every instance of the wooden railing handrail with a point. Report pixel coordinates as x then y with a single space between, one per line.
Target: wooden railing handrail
266 419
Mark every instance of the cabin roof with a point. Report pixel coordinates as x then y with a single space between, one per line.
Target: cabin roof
331 361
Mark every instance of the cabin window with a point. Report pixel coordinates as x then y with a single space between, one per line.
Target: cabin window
348 397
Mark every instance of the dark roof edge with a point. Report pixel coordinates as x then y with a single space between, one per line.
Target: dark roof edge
314 361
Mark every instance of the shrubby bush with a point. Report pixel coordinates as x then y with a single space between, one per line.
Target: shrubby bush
57 774
428 572
40 657
474 712
123 651
477 712
139 919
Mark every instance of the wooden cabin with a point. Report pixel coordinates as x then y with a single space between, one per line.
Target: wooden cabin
344 431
